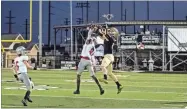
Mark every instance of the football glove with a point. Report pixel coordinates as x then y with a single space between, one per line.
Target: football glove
16 76
34 68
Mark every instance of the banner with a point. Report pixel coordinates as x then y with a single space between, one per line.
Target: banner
135 39
177 38
68 65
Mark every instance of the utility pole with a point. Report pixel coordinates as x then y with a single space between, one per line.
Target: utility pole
125 15
134 6
26 29
66 22
79 21
98 11
148 13
61 36
10 22
173 10
87 6
49 23
109 7
82 5
121 14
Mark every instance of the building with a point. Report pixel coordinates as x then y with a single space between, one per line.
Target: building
10 47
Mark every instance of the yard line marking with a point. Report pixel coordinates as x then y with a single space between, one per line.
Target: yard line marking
10 106
131 80
94 98
132 91
123 85
129 91
174 104
115 85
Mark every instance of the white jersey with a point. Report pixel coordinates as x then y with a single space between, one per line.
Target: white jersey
19 62
88 50
15 60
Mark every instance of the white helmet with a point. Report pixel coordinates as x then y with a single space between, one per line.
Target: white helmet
21 50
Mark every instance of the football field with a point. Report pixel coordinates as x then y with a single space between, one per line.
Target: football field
54 89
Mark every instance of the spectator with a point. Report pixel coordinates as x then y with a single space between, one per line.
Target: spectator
44 61
147 32
137 32
33 62
117 63
153 33
50 64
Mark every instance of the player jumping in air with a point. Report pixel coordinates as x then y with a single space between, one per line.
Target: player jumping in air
87 61
20 68
108 59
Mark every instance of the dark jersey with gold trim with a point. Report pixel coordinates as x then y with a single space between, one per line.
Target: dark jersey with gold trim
108 45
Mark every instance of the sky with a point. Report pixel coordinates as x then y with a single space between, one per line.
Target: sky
158 10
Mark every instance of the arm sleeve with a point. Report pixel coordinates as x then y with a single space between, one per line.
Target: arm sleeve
89 34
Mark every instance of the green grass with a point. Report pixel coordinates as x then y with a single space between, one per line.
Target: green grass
140 91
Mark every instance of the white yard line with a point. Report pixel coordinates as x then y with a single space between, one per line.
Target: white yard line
79 97
10 106
123 85
174 105
129 91
60 82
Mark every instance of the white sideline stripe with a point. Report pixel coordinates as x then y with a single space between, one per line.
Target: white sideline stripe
123 76
121 91
9 106
131 91
123 85
131 80
174 104
94 98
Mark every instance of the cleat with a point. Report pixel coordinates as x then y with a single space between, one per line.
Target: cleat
29 100
76 92
119 89
102 92
103 80
24 102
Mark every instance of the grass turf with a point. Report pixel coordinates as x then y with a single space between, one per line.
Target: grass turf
140 91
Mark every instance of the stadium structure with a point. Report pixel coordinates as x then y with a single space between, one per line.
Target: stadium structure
166 49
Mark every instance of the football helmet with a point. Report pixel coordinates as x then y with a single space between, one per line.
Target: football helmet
21 50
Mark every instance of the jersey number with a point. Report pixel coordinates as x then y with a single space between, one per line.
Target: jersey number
91 51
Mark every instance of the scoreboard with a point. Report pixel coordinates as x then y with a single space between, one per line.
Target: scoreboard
134 39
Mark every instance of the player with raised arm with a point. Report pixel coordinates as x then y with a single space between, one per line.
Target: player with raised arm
87 61
20 67
109 37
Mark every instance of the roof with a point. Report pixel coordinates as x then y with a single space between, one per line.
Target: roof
135 22
9 37
28 46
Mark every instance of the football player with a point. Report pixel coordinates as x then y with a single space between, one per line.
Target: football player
87 61
20 67
109 37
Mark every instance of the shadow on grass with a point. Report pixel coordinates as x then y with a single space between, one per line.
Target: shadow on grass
176 103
